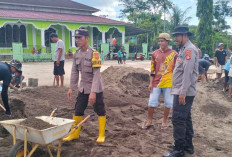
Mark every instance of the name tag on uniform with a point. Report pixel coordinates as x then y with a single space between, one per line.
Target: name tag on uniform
87 59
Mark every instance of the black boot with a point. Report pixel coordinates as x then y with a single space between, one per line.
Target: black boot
175 153
189 149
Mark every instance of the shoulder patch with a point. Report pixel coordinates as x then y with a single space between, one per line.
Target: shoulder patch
96 60
188 54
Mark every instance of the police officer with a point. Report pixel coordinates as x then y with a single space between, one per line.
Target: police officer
6 71
86 66
185 76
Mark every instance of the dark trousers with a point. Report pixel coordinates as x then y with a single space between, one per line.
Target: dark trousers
82 103
119 60
182 122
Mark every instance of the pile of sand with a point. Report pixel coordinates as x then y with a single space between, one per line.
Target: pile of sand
126 96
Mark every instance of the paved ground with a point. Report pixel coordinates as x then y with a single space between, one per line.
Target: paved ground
44 70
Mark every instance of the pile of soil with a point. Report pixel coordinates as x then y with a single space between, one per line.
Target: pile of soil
126 97
36 123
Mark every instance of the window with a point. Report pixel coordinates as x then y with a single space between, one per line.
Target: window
15 33
2 37
23 36
9 34
48 40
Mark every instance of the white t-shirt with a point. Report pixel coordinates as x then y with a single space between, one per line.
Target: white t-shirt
60 44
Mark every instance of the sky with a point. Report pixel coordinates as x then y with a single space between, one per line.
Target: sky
112 8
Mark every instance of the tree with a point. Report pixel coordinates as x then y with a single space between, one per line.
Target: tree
205 30
179 17
161 7
221 11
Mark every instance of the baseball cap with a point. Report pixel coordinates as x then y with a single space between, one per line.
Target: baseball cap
220 44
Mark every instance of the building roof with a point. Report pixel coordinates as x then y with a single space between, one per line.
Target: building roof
132 30
32 15
65 4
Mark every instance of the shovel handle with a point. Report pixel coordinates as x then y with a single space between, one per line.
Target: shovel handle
78 125
3 108
51 115
83 121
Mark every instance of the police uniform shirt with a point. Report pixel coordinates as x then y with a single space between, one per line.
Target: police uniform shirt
185 74
84 67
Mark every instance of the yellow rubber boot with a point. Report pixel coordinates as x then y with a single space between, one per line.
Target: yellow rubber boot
75 134
102 125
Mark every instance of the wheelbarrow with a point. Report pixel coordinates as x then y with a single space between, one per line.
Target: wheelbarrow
33 138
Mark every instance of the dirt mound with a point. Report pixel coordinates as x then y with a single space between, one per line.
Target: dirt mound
127 80
216 109
36 123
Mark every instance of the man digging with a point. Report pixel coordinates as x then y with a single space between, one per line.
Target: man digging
162 65
6 71
86 64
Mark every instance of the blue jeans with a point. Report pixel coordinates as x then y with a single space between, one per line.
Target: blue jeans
155 94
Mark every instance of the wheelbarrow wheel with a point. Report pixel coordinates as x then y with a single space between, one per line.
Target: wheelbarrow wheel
18 150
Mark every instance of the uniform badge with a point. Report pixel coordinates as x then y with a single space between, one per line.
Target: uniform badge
96 60
97 56
188 54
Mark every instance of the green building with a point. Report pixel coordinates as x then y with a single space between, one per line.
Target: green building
27 24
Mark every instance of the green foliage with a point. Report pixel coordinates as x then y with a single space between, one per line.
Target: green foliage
179 17
205 31
221 11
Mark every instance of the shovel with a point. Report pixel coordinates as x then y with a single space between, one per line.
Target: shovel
80 124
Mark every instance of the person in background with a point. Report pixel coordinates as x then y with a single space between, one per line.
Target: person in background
226 70
33 51
108 55
119 56
199 51
230 75
124 56
220 59
70 54
203 68
102 57
59 59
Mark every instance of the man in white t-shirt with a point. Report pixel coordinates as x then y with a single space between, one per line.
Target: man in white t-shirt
59 59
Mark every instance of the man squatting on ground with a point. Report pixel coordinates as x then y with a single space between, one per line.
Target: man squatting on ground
185 76
59 59
162 66
87 62
6 71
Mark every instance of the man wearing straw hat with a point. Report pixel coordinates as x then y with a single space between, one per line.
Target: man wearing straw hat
162 66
